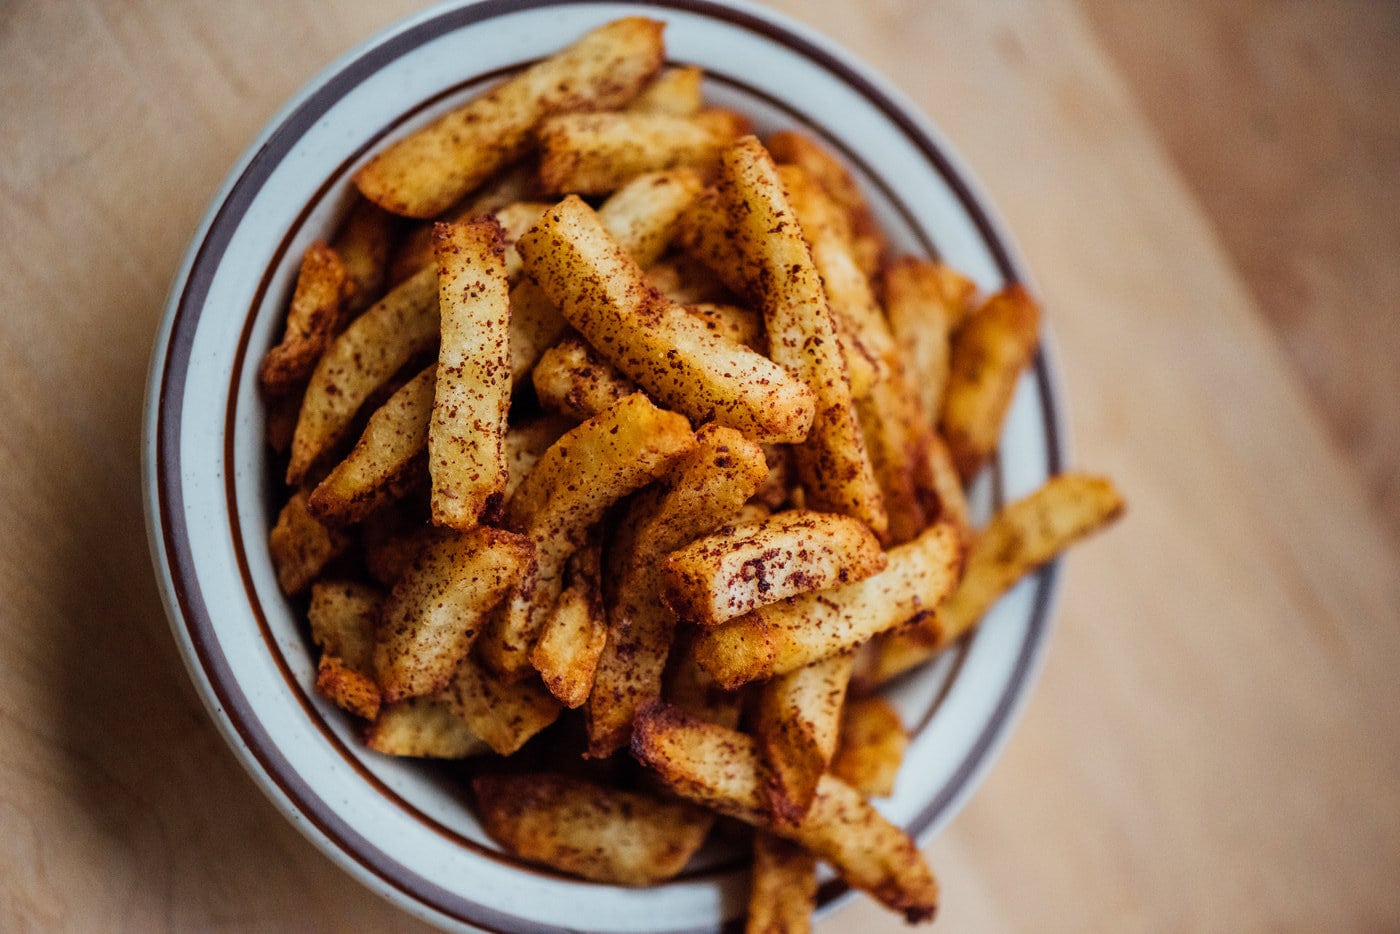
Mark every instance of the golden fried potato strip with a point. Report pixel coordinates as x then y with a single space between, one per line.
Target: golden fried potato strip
318 303
791 148
925 302
425 727
343 616
568 649
873 740
301 546
798 721
676 91
782 887
363 243
573 379
504 714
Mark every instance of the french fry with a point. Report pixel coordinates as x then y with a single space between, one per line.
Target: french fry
676 91
343 616
797 723
300 546
777 488
565 495
466 455
706 488
318 302
1021 538
504 714
425 727
872 746
832 462
526 443
899 435
687 281
784 636
603 294
944 499
436 609
925 302
691 689
782 887
514 219
573 637
371 350
595 153
994 345
737 324
386 461
793 148
572 379
738 569
722 770
590 830
424 173
363 244
391 538
497 196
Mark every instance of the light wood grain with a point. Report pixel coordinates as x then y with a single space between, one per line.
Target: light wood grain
1215 741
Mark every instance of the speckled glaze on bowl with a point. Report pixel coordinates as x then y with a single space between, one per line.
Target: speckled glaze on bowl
404 828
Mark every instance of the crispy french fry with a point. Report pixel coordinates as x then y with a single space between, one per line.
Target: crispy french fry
436 609
424 173
573 379
300 546
676 91
343 616
386 461
944 499
738 569
363 244
603 294
595 153
707 487
566 494
784 636
722 770
687 281
588 829
466 454
798 720
898 435
708 234
1019 539
426 727
994 345
832 462
690 688
872 746
347 688
498 196
318 302
782 887
505 715
737 324
515 218
360 361
573 637
795 149
526 443
925 302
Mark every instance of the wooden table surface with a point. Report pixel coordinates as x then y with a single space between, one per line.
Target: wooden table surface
1215 741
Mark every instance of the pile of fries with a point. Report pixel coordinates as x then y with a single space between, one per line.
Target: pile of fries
597 403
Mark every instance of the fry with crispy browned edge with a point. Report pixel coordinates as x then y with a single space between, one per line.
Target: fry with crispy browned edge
797 722
363 244
515 218
721 769
738 324
505 193
925 302
590 830
793 148
784 636
573 379
676 91
735 570
424 173
690 687
318 301
526 443
436 609
1019 539
573 637
654 341
466 454
945 500
301 546
782 887
386 461
504 714
898 435
371 350
704 490
993 347
873 740
425 727
832 462
342 616
570 488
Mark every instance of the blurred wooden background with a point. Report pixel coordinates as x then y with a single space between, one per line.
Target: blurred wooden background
1207 194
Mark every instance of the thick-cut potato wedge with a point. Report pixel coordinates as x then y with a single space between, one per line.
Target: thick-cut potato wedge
526 443
722 770
573 379
573 638
898 435
346 687
424 173
792 148
603 294
1018 540
991 349
570 488
708 233
343 616
437 607
363 243
590 830
832 462
736 570
301 546
737 324
798 721
782 887
872 747
782 637
690 687
925 302
676 91
704 490
425 727
595 153
944 499
376 346
318 303
466 453
505 715
386 461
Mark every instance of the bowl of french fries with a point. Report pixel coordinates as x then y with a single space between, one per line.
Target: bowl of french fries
607 473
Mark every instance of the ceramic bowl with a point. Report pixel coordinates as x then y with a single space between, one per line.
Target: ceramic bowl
403 827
